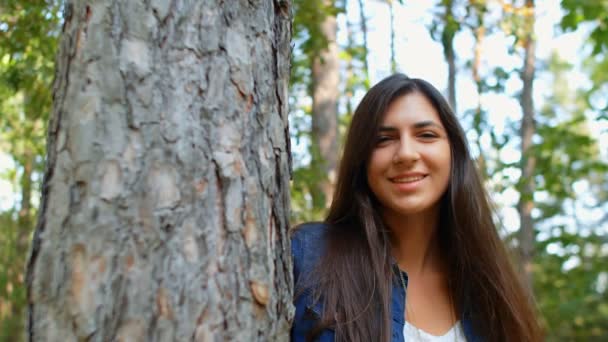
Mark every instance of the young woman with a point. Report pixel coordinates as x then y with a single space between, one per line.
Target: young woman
409 216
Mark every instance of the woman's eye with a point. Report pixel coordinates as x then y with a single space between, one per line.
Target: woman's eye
383 139
428 135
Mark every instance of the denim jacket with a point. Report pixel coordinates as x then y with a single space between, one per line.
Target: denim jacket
307 246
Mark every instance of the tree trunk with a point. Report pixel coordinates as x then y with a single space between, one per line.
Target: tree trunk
391 10
349 89
325 78
526 233
25 211
451 77
448 50
479 33
165 203
365 48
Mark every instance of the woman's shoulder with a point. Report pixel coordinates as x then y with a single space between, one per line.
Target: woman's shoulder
307 246
309 232
308 242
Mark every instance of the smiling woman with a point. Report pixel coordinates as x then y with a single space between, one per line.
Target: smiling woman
409 219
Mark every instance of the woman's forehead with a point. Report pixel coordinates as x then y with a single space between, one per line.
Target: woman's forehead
412 109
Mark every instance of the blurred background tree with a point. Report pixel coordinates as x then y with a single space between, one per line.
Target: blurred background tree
28 39
537 122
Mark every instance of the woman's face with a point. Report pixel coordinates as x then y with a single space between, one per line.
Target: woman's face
409 169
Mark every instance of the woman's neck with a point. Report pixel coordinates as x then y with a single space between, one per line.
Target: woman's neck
415 241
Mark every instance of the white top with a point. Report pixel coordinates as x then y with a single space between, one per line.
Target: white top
414 334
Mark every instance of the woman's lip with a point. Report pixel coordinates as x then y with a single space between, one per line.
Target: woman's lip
408 186
405 179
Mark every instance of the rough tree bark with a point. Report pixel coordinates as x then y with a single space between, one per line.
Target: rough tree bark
325 78
528 162
165 199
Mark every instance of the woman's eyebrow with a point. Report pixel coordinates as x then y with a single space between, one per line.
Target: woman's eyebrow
427 123
387 129
417 125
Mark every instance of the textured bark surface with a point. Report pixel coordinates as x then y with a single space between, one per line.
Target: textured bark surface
528 162
165 199
325 73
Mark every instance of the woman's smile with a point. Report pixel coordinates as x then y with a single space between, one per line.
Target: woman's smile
408 182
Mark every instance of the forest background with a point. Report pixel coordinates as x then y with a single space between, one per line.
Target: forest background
529 82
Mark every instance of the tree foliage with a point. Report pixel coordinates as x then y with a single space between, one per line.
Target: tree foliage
588 12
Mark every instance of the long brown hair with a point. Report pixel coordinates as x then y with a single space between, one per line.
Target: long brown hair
354 276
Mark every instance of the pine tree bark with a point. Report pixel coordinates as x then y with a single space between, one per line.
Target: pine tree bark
165 206
528 162
325 78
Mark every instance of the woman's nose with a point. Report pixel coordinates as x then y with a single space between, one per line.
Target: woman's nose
406 152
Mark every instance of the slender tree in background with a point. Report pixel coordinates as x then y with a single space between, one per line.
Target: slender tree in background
449 31
28 32
355 54
363 24
391 11
393 53
314 95
325 94
477 10
527 130
443 29
349 87
165 198
355 79
449 27
519 22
